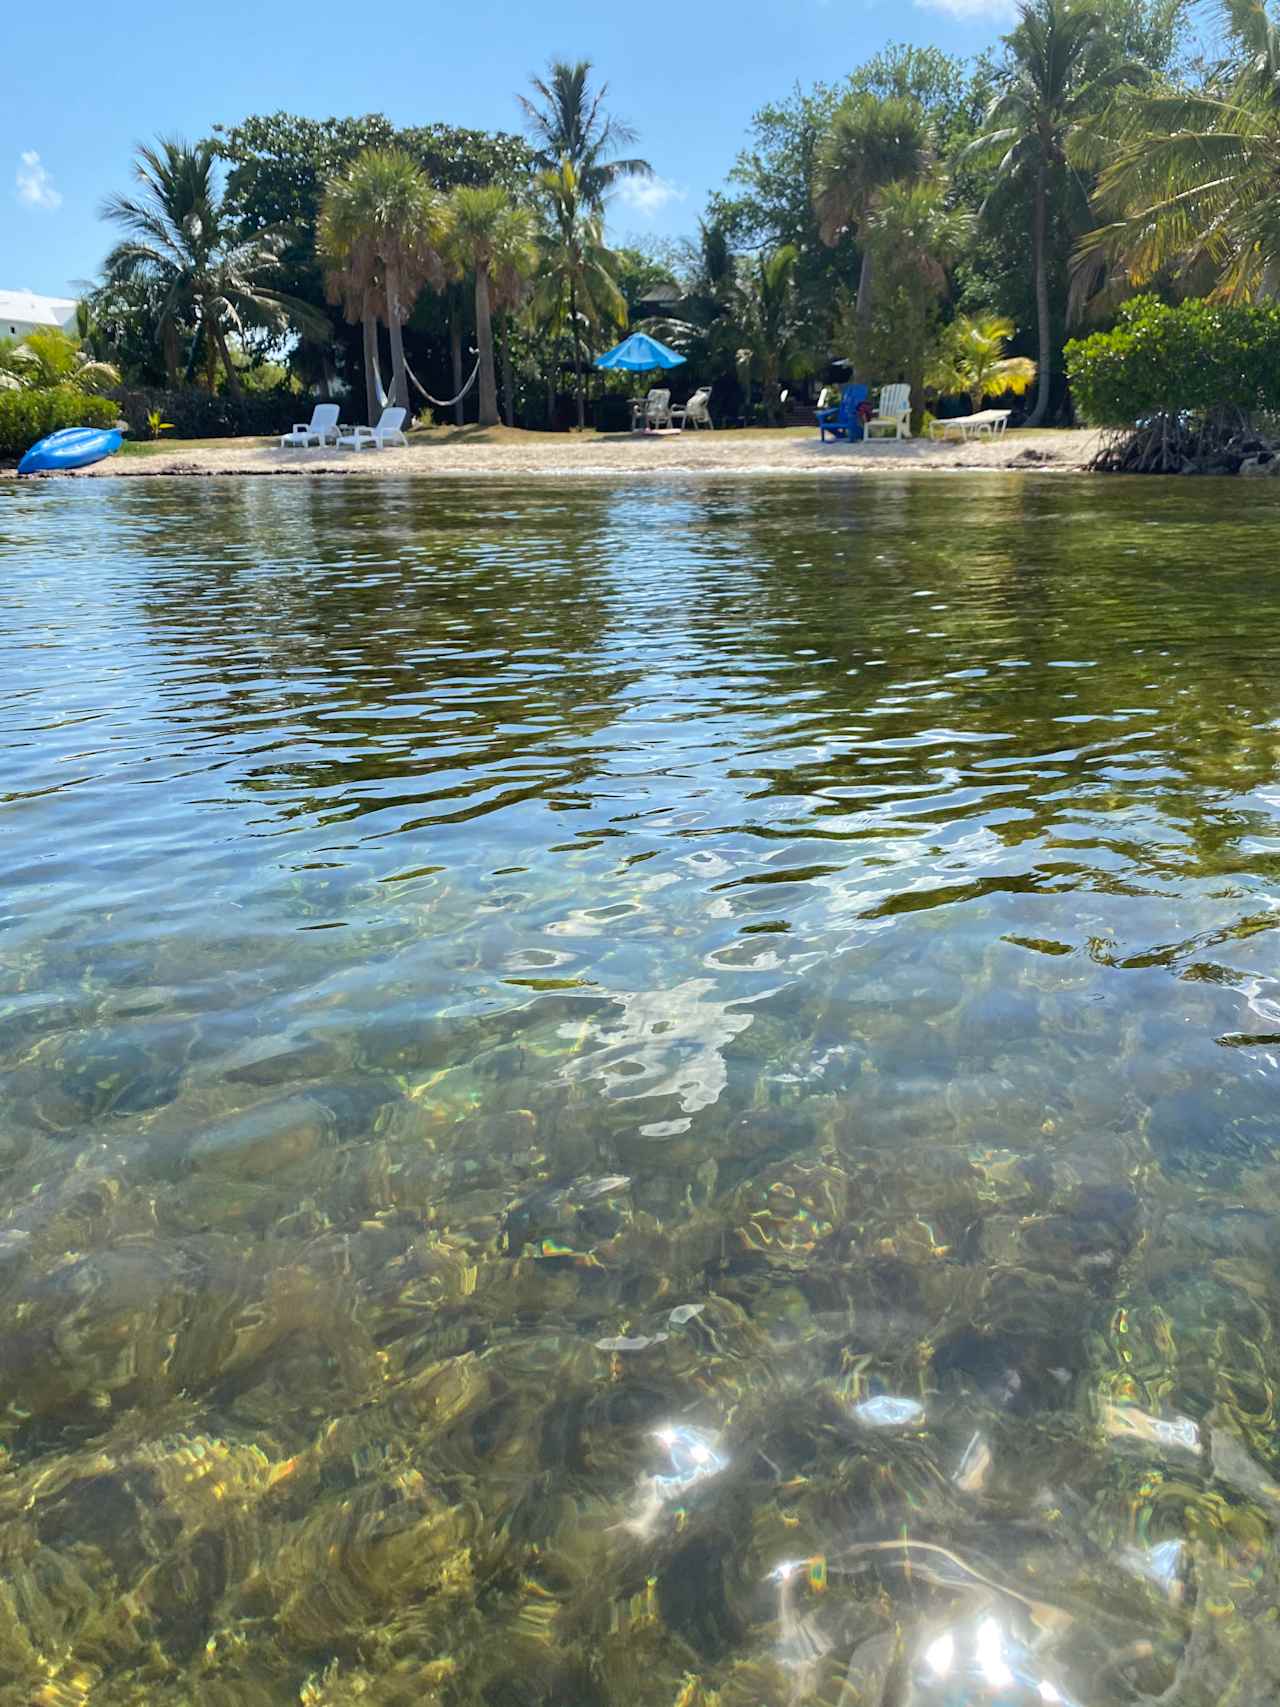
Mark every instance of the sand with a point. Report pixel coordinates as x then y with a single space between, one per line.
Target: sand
520 455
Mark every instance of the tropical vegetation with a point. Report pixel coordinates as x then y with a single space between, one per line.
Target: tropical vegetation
954 224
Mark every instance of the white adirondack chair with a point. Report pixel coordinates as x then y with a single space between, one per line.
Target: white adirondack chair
322 427
893 412
696 412
389 430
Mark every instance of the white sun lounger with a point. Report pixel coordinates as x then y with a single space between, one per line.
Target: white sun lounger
390 429
988 421
322 427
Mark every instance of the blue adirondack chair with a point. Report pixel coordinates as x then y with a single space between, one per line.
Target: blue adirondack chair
842 422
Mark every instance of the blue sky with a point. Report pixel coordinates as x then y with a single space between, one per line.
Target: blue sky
689 85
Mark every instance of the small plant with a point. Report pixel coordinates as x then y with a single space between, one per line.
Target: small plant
155 426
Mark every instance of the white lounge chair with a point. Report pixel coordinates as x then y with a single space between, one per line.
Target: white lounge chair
654 412
389 430
988 421
892 411
322 427
696 412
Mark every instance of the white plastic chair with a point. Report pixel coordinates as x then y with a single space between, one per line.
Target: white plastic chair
322 427
654 412
892 411
696 412
388 430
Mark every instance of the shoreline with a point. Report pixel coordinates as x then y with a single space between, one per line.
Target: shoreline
514 454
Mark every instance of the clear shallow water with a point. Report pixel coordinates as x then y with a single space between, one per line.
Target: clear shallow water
639 1094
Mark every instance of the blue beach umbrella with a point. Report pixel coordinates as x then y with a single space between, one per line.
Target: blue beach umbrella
639 354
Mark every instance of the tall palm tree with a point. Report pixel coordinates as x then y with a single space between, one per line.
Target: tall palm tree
181 238
873 141
915 235
1189 178
491 237
769 322
1063 65
576 285
381 215
568 121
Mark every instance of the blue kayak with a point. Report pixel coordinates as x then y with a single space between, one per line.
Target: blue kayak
73 447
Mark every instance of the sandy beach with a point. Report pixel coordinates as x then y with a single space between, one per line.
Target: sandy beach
471 451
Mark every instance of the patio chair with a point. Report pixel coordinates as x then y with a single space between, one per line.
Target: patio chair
390 429
322 427
892 411
696 412
844 421
653 413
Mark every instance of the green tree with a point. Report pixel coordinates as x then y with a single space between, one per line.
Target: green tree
382 219
769 323
873 141
1189 179
914 235
568 121
577 289
492 237
49 357
971 360
1062 65
181 239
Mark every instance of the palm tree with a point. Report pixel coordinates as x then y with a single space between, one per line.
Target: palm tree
181 239
769 322
491 237
381 217
568 122
1062 66
914 235
49 357
576 284
872 142
971 359
1191 179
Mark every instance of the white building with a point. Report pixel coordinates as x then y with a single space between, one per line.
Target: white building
22 311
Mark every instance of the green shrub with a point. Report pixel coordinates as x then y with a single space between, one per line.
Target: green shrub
204 415
26 416
1193 358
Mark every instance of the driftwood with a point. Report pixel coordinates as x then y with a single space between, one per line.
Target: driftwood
1221 442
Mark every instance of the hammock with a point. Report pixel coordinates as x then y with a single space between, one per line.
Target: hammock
440 403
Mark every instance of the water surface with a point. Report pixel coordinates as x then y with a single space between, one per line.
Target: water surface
654 1094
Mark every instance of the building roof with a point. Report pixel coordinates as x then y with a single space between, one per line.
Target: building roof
36 310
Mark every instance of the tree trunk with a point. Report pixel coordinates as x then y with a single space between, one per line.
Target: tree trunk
233 378
862 318
551 391
577 357
370 330
210 354
399 378
508 376
169 346
488 414
455 357
1039 237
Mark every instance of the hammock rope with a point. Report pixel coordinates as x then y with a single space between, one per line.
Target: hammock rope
439 402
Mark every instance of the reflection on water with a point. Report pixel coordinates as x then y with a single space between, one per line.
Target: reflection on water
647 1095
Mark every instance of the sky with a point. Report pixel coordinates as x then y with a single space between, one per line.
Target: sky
687 77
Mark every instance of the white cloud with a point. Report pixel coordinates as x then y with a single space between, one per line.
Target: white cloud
35 186
648 196
971 11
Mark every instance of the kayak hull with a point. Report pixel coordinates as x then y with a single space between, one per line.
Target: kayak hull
73 447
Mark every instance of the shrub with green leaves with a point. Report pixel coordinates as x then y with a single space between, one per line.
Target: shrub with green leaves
26 416
1194 358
